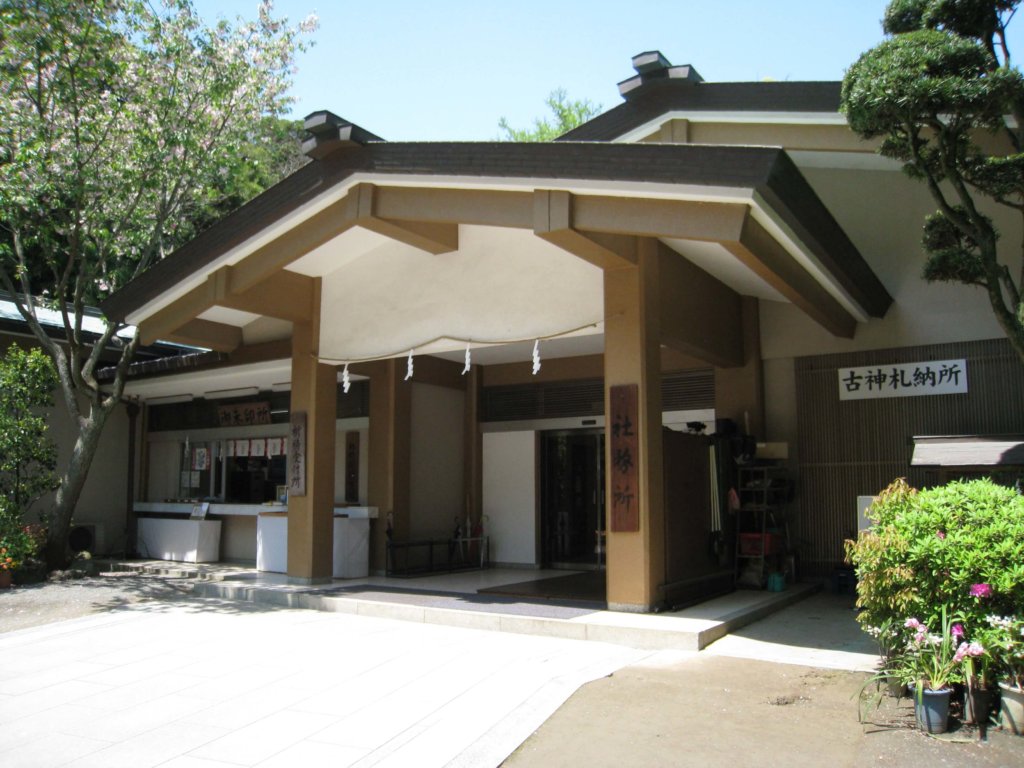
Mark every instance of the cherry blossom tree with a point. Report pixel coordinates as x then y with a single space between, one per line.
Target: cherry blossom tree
122 122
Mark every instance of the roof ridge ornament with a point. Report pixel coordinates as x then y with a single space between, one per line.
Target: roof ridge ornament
652 66
328 132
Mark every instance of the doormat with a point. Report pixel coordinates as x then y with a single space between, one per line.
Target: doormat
582 587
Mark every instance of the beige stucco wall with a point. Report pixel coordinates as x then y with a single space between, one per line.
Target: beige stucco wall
882 212
104 499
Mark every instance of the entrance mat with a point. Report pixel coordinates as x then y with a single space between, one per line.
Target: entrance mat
581 587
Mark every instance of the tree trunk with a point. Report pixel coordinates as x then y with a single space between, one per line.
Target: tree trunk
72 481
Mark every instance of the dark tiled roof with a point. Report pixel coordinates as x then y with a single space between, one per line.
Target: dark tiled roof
767 170
165 365
657 98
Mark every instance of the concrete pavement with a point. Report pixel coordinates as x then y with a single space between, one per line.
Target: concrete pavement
211 684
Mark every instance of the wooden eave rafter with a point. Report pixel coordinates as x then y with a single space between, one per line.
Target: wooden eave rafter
287 296
260 284
603 230
581 225
219 337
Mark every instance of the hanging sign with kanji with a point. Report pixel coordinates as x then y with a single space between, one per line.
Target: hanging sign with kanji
936 377
624 455
297 454
243 414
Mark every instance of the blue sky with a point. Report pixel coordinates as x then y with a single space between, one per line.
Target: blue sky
449 69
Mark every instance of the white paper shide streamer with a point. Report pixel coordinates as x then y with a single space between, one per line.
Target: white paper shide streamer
346 382
408 367
465 368
536 357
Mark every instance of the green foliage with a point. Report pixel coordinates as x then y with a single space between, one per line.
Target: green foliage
952 255
938 94
968 18
926 549
27 455
1004 641
19 545
566 114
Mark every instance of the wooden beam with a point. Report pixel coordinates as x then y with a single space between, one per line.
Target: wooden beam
286 296
647 217
488 208
172 317
759 251
553 222
318 229
206 333
432 237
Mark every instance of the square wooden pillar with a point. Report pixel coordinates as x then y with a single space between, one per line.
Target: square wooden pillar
311 516
389 451
632 358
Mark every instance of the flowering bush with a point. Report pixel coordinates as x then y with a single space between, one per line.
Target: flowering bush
960 545
19 544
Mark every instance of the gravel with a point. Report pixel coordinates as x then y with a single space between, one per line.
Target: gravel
32 605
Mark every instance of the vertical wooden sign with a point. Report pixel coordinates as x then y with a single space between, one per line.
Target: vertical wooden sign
352 466
297 454
624 456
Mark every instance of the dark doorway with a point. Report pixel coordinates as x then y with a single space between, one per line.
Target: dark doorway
572 499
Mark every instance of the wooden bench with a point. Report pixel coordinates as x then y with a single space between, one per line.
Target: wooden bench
423 556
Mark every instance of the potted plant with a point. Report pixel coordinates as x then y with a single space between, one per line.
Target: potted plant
977 674
929 664
889 636
1006 644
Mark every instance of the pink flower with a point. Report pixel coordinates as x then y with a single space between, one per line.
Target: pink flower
941 534
912 624
957 631
981 590
961 653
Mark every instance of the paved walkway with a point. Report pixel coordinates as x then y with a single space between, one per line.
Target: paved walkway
213 685
206 682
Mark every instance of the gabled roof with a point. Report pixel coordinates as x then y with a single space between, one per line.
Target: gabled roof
662 97
660 90
765 171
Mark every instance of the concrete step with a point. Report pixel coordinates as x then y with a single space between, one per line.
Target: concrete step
691 629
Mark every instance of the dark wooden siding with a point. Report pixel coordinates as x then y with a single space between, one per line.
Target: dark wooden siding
680 390
857 447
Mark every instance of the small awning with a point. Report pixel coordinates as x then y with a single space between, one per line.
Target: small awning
968 451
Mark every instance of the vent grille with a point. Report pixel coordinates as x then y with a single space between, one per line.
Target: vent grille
680 391
688 390
543 401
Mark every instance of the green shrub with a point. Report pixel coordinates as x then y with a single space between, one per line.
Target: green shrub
927 549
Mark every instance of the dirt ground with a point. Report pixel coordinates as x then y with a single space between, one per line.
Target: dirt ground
677 710
714 711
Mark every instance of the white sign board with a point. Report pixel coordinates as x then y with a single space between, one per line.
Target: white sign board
935 377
